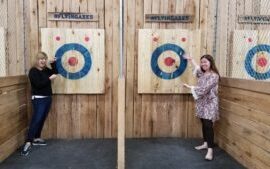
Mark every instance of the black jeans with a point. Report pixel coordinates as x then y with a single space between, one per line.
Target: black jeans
41 108
208 132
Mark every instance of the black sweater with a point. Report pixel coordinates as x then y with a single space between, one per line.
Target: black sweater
40 82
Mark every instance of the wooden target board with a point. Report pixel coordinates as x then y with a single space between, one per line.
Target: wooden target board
80 59
2 52
251 55
161 65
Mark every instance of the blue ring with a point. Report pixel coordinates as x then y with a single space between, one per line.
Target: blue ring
154 61
248 66
87 59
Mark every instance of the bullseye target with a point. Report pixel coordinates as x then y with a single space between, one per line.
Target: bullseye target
261 54
172 65
251 56
80 59
161 65
73 61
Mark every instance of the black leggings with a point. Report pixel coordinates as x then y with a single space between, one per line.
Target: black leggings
208 132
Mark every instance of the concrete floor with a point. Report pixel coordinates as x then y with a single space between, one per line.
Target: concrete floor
67 154
174 153
161 153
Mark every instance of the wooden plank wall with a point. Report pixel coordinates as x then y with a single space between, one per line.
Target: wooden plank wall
162 115
12 19
81 115
95 116
244 128
227 22
13 114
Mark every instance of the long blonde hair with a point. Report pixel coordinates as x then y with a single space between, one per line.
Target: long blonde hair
39 55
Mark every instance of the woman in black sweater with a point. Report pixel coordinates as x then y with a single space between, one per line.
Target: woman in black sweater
40 77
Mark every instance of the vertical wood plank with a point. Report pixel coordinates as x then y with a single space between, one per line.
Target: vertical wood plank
145 128
211 26
121 124
105 117
147 7
104 102
27 56
11 38
222 31
247 5
3 25
42 10
137 98
20 35
4 13
130 56
3 63
115 69
231 27
33 30
93 99
207 25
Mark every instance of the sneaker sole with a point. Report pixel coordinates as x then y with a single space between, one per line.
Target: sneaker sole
26 153
35 144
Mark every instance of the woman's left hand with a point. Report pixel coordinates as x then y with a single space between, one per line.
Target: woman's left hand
186 85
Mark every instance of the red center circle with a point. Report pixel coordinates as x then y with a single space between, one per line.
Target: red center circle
72 61
169 61
155 39
86 38
183 39
57 38
262 61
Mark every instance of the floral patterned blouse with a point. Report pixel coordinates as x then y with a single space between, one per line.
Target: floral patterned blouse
206 95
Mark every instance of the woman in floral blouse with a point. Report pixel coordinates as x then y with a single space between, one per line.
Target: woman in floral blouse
206 98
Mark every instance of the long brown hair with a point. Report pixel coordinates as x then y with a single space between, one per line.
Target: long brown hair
212 63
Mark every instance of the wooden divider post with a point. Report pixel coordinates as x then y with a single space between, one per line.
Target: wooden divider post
121 124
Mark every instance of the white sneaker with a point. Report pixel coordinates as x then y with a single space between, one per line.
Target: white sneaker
39 142
26 149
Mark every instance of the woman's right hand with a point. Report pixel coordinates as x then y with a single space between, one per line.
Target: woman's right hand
53 76
188 57
191 59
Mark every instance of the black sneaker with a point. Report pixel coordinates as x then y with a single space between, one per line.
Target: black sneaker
26 149
39 142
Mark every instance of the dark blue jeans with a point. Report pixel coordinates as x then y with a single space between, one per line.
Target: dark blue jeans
41 108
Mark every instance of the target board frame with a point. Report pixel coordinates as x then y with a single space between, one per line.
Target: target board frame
80 59
161 65
250 47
